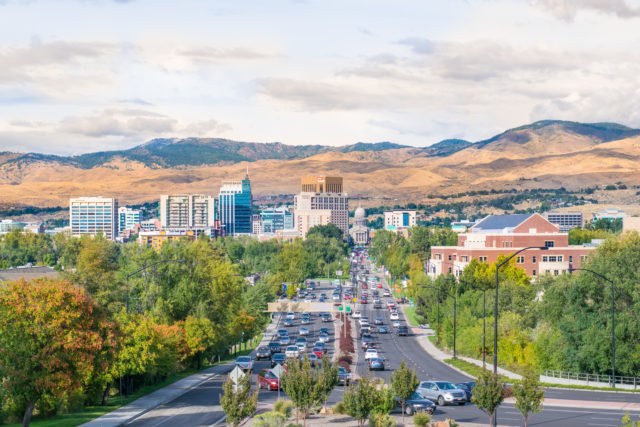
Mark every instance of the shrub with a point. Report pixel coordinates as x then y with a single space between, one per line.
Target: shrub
338 408
269 419
381 421
345 361
294 425
507 392
283 407
421 419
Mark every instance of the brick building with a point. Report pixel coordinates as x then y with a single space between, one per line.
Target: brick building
505 234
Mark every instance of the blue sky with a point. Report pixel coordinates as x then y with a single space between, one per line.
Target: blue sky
88 75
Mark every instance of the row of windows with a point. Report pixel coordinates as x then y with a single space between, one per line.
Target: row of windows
519 260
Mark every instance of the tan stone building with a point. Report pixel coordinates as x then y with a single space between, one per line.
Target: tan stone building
313 207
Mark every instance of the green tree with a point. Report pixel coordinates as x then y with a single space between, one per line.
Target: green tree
404 382
328 379
385 402
240 403
627 422
360 400
199 335
53 340
330 231
528 395
302 384
488 394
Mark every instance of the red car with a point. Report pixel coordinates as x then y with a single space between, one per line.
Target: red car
268 380
365 286
346 297
364 301
318 351
379 285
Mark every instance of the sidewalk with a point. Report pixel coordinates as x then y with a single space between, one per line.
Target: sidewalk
159 397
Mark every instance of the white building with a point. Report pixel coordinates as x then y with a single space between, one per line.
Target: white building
8 225
399 220
92 215
311 209
359 232
128 218
187 211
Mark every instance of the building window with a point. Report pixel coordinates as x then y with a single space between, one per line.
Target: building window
555 272
520 260
560 258
438 256
449 270
534 260
464 258
545 258
570 258
583 257
482 259
449 260
534 272
548 243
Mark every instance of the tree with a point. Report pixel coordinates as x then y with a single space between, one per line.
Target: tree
328 379
385 402
404 383
301 383
529 396
240 403
200 335
488 394
53 340
330 231
359 400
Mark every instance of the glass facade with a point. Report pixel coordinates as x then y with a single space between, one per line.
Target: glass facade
276 219
93 215
235 207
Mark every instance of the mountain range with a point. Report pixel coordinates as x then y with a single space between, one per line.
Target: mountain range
544 154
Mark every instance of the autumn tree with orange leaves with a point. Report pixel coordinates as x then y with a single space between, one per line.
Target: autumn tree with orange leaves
54 340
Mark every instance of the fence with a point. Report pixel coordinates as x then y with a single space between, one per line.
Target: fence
596 380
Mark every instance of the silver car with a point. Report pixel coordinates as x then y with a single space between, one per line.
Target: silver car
442 392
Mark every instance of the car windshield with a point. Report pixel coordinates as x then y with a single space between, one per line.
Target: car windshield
243 359
342 370
416 396
445 386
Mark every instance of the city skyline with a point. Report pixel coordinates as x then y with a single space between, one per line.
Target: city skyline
308 72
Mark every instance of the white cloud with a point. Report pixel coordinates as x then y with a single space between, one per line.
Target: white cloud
568 9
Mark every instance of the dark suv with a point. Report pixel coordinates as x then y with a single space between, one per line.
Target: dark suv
403 331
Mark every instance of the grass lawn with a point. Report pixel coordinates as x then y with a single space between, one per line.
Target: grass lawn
412 317
91 412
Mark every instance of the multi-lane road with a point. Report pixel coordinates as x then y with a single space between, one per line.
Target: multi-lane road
200 405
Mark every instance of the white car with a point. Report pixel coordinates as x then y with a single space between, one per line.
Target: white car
396 323
370 353
386 293
356 315
308 299
394 316
364 322
292 351
291 315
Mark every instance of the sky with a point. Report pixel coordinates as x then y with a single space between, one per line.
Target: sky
80 76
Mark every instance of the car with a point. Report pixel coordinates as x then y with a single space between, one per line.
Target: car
314 360
376 293
284 340
365 286
417 403
321 299
324 337
288 322
365 330
378 321
379 285
368 344
402 300
313 296
318 351
326 317
302 344
335 297
371 352
382 330
386 293
425 326
268 380
304 331
324 330
396 323
394 316
376 364
323 295
245 363
322 345
274 347
344 377
356 315
377 304
291 315
346 297
278 359
263 352
364 301
308 299
468 388
282 332
292 351
403 331
364 321
305 320
441 392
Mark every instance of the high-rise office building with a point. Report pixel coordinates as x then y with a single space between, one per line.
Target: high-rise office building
565 221
128 218
316 207
234 204
274 219
399 220
92 215
187 211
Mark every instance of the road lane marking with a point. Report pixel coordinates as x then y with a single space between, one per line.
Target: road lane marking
219 421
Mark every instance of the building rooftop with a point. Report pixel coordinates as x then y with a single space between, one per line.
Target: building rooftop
500 223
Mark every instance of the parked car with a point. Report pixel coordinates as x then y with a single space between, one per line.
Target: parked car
274 347
403 331
468 388
268 380
376 364
344 377
278 359
417 403
292 351
442 392
263 352
245 363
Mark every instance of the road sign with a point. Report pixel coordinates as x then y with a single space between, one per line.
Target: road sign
348 309
340 323
278 370
236 375
339 273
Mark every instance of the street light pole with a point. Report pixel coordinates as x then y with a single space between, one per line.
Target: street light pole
143 269
484 318
455 315
613 323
